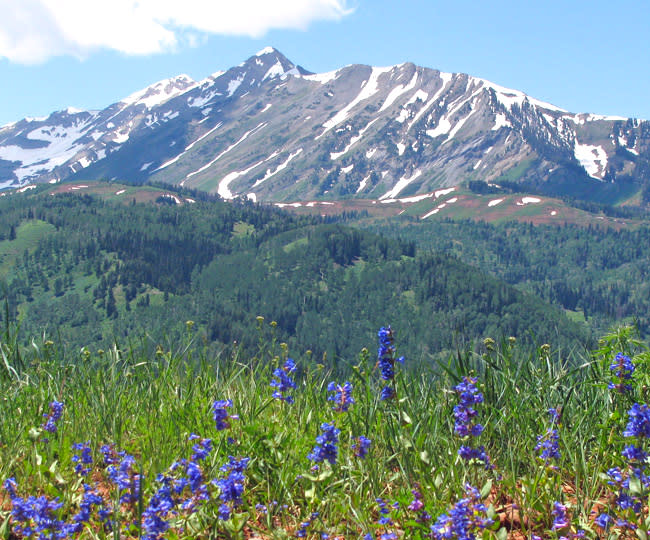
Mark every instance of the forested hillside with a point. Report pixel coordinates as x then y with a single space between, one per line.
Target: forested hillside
602 274
93 271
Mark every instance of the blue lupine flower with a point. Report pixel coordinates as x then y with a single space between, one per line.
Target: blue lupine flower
547 445
622 368
341 396
302 529
360 446
560 519
56 410
384 512
231 486
418 506
34 516
603 521
465 519
464 412
326 447
126 478
639 422
83 458
90 498
220 414
467 453
200 449
161 504
387 392
283 382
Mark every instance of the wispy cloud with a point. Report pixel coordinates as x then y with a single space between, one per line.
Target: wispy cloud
31 31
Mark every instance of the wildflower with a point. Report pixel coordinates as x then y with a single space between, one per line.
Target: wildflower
34 516
282 381
326 447
464 412
220 414
160 505
418 506
639 422
464 520
90 498
200 449
83 458
604 521
386 361
341 396
387 392
126 478
231 486
384 512
622 369
56 410
467 453
360 446
302 529
560 519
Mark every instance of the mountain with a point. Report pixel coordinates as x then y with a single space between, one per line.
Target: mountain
271 131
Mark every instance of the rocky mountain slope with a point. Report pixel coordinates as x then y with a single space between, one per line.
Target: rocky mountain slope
270 130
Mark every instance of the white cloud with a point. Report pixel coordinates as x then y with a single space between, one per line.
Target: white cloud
32 31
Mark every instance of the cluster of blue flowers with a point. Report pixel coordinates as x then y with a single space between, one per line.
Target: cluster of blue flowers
83 459
53 416
464 420
386 361
360 446
548 444
231 486
622 369
220 414
341 396
302 529
466 519
282 382
326 448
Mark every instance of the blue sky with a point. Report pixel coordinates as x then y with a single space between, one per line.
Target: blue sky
581 56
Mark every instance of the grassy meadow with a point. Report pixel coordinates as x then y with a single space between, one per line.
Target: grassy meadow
185 443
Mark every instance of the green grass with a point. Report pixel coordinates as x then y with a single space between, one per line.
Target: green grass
148 405
28 234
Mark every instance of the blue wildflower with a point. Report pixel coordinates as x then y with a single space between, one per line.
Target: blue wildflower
231 486
604 521
622 369
387 392
155 520
560 519
83 458
464 412
34 516
282 381
220 414
468 453
90 498
126 478
326 447
302 528
639 422
200 449
341 396
464 520
56 410
360 446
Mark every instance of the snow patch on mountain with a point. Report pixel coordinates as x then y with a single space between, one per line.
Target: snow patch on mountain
355 139
369 89
279 168
160 92
398 91
592 158
232 146
401 184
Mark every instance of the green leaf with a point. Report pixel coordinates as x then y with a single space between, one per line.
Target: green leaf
635 486
485 490
502 534
424 456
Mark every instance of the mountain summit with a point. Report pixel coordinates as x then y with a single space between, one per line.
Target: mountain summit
270 130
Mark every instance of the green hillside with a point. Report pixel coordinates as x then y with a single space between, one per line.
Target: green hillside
92 271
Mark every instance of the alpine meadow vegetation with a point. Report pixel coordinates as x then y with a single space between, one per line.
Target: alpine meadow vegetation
497 442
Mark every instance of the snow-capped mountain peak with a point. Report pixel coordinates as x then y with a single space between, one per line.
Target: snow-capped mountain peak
160 92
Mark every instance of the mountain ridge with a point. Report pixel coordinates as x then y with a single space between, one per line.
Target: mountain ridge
270 130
